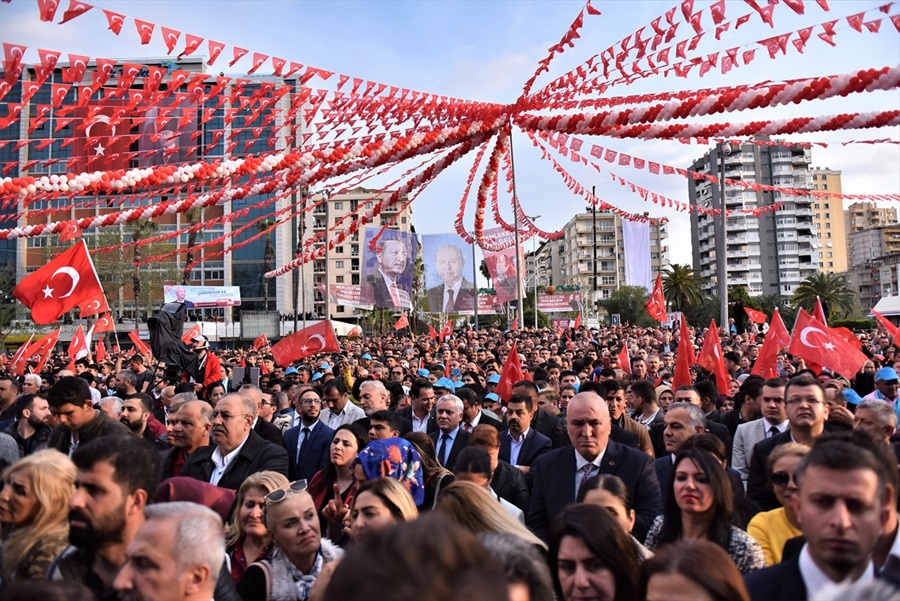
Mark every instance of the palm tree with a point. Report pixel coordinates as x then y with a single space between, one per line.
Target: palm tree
485 272
682 286
142 228
193 217
767 302
268 256
832 289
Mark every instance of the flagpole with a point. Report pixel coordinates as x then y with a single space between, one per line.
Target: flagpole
512 168
475 282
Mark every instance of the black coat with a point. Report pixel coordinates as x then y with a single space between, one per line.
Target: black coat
781 582
459 443
101 425
509 483
534 445
552 427
257 455
659 445
268 431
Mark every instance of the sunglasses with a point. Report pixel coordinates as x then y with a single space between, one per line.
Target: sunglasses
782 478
277 496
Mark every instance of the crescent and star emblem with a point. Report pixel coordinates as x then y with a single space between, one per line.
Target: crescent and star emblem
321 339
99 148
804 338
94 304
69 271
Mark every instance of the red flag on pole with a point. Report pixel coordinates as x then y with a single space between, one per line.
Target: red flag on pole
756 316
139 345
817 343
196 331
776 339
43 348
711 357
884 321
317 338
514 325
447 330
18 363
819 312
101 351
402 322
104 324
260 342
625 360
578 321
684 358
656 304
60 285
511 373
432 333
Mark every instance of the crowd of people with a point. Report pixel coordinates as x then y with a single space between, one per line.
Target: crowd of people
406 468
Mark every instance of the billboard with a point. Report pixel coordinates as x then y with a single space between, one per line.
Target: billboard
564 301
502 266
487 305
449 274
387 270
348 295
198 297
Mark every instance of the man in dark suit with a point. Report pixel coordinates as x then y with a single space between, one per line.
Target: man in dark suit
520 445
688 394
267 430
307 443
237 451
472 414
388 291
455 293
857 477
420 412
546 423
449 439
559 474
646 409
682 421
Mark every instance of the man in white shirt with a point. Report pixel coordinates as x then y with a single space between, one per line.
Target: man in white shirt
474 465
339 410
774 421
419 413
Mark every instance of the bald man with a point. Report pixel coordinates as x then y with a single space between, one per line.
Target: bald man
560 474
455 293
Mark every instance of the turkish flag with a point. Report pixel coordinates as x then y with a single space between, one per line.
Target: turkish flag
819 311
76 9
94 306
104 324
776 339
402 322
102 141
60 285
432 333
17 362
193 333
317 338
78 346
514 325
890 327
578 321
260 342
139 344
101 351
656 304
755 316
816 343
684 358
625 360
68 230
511 373
711 358
447 330
43 348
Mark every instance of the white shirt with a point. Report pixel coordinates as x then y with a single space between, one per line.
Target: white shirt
402 295
580 462
512 509
420 425
455 289
222 462
782 427
515 447
449 444
646 422
815 579
474 421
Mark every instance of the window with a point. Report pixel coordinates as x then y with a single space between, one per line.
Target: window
338 205
354 279
339 279
831 263
339 264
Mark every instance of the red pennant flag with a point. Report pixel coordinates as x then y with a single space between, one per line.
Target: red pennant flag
43 348
776 339
76 9
511 373
684 358
711 357
656 304
192 42
192 333
756 316
317 338
170 37
104 324
514 325
215 49
625 360
47 9
258 60
260 342
60 285
139 345
69 231
18 363
101 351
78 346
818 344
447 330
115 21
890 327
238 54
819 312
145 30
578 321
432 333
402 322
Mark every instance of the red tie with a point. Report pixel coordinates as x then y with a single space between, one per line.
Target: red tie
448 308
395 295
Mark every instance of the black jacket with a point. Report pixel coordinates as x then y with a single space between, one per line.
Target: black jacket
781 582
509 483
268 431
257 455
552 427
101 425
39 440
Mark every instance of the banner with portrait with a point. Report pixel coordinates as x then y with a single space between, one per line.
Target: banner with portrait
502 267
560 301
449 274
167 133
199 297
387 270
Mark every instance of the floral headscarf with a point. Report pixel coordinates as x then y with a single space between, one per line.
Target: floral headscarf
394 458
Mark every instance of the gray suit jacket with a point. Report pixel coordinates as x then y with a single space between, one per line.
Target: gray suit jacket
745 438
351 414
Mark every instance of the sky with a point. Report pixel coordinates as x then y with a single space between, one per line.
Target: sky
486 50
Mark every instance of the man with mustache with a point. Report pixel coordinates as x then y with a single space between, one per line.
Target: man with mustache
392 256
117 476
236 451
520 445
190 426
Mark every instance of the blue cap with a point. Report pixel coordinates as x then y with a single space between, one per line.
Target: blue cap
325 367
366 356
422 372
445 383
455 371
492 397
291 370
494 379
316 376
458 385
886 374
852 397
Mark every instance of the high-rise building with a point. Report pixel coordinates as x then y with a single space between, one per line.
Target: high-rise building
873 251
768 254
829 221
861 215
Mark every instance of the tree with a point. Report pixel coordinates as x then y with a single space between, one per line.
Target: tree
768 302
268 256
833 290
682 287
485 272
628 302
700 314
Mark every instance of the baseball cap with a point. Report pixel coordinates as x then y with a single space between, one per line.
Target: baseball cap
492 397
366 356
494 379
886 374
445 383
201 338
291 370
316 376
423 373
325 367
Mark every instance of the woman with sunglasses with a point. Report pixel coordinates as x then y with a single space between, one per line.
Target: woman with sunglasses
247 538
772 529
336 480
298 554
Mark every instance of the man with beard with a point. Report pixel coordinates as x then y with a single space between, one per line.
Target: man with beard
308 442
31 430
79 423
117 476
136 415
190 424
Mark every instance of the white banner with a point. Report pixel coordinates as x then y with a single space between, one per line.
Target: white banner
197 297
636 236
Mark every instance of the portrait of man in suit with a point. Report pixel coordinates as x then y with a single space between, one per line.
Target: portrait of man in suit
455 293
392 256
506 279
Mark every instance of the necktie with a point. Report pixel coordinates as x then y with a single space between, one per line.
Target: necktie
448 308
467 427
773 430
442 452
304 434
586 472
395 295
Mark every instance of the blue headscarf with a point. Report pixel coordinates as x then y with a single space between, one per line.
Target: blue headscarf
394 458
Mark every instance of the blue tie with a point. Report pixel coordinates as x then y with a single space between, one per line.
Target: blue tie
442 453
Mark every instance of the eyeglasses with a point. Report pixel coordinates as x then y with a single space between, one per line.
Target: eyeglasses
225 416
803 402
782 478
277 496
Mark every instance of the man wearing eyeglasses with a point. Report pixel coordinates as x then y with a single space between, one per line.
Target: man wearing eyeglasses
237 451
807 413
308 442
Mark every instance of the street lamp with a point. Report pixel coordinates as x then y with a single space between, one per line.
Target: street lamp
534 262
